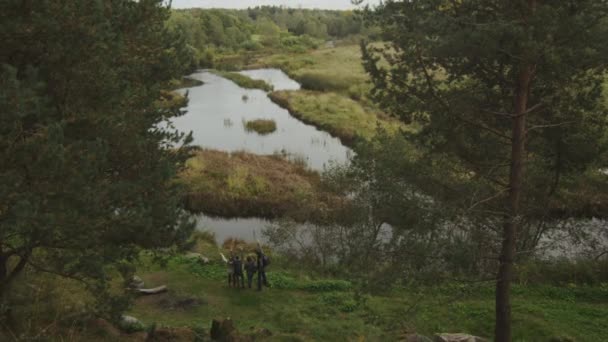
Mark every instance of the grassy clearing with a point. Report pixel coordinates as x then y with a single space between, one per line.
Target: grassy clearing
260 126
244 81
301 307
339 115
336 69
304 306
245 185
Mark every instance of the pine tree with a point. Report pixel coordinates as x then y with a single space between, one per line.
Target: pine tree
86 166
508 95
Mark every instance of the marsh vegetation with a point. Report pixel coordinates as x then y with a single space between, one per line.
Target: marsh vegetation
260 126
471 196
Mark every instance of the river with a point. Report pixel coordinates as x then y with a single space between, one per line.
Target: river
215 114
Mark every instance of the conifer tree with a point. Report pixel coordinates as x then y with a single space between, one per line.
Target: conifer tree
508 95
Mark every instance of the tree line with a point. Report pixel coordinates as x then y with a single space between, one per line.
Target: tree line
208 32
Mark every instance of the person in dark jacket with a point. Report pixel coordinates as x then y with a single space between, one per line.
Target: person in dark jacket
238 272
250 268
261 263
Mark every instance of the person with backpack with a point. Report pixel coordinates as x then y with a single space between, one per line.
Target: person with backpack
263 262
229 267
238 272
251 268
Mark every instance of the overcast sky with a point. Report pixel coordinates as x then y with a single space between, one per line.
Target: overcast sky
325 4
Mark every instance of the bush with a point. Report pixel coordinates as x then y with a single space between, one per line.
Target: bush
261 126
563 272
324 82
341 301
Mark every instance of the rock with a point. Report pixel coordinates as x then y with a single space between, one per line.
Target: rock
457 338
130 324
198 256
125 319
416 338
136 283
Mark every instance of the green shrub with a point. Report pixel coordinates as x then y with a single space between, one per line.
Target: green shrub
563 272
324 82
261 126
214 271
339 300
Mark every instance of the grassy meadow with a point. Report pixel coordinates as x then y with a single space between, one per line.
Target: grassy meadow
336 69
304 305
243 185
340 116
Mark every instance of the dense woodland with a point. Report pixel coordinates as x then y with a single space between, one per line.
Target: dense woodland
209 33
480 139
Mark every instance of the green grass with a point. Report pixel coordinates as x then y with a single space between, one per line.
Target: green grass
303 308
260 126
336 69
244 81
301 305
340 116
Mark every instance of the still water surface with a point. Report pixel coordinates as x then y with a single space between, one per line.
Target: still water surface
218 109
215 115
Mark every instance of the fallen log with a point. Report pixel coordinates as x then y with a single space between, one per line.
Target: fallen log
152 291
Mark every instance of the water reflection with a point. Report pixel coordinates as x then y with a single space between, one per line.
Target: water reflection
215 106
225 228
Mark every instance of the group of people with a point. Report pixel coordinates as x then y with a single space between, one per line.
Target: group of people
251 266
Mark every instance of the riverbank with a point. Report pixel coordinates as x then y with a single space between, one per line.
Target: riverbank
242 184
244 81
185 82
342 117
338 69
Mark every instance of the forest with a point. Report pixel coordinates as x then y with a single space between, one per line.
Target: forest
425 170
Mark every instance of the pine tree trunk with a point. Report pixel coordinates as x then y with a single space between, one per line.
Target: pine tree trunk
3 273
502 332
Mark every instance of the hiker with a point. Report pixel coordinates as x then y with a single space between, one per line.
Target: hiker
238 272
230 268
262 262
250 268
